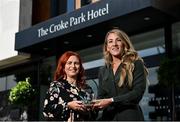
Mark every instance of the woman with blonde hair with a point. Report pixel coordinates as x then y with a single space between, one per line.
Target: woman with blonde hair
122 81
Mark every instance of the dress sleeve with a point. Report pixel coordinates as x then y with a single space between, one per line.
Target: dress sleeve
55 108
100 88
134 95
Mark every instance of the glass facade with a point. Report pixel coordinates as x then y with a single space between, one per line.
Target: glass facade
10 80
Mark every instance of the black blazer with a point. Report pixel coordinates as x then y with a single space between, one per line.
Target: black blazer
126 100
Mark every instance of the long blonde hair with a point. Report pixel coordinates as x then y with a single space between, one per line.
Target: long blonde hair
128 56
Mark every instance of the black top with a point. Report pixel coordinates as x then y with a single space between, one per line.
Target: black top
57 97
126 100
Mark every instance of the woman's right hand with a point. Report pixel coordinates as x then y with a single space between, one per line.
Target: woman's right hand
77 105
103 103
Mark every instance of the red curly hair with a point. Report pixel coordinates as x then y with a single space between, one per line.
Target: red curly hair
60 72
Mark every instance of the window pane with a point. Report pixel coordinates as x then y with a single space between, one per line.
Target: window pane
11 81
70 5
2 83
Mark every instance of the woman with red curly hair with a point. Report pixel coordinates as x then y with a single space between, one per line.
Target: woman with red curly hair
65 98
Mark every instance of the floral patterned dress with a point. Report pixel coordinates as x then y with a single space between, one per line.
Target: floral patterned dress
57 97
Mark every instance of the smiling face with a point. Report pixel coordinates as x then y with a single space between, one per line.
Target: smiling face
114 45
72 67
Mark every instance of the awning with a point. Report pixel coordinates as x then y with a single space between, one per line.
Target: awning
15 60
87 26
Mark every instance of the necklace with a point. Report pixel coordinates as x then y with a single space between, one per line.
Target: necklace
72 83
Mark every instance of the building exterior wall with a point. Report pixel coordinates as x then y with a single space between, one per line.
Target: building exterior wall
25 14
150 45
9 10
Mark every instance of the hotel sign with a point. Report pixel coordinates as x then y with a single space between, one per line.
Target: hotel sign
84 17
73 21
69 22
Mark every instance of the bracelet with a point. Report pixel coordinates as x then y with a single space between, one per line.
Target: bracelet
112 100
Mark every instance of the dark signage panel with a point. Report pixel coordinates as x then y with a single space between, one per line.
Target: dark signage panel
78 19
